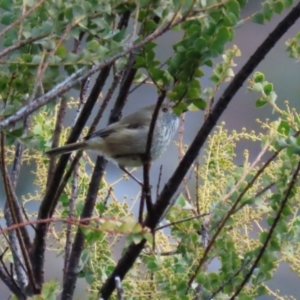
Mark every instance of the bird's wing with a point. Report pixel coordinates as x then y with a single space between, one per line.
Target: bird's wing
113 128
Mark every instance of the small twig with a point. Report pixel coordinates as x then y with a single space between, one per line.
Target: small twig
21 44
74 221
67 176
180 156
26 215
8 280
258 194
145 80
73 197
181 221
106 200
56 136
85 83
119 288
141 208
9 274
169 253
197 184
203 232
147 157
146 188
77 42
266 188
105 102
83 90
158 181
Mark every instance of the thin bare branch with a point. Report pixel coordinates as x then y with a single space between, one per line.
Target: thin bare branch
159 181
73 197
56 135
147 158
181 221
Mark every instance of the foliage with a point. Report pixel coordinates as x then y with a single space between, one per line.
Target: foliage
245 217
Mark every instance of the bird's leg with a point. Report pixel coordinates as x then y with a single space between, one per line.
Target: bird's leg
131 176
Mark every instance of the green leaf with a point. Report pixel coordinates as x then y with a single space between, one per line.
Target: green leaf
50 290
150 25
136 238
139 77
259 18
242 2
144 3
284 128
209 63
260 102
200 103
287 3
274 246
261 290
230 19
263 236
233 7
278 7
267 11
7 18
6 4
258 77
200 44
93 46
268 88
260 278
38 129
140 62
224 35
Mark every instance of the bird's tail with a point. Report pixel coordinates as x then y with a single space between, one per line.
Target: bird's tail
67 148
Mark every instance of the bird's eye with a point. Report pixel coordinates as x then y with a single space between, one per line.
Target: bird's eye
165 109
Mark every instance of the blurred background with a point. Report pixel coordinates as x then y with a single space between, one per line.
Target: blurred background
278 68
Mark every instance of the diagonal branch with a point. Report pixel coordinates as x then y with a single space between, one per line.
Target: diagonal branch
146 192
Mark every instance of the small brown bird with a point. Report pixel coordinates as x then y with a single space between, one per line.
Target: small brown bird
124 142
